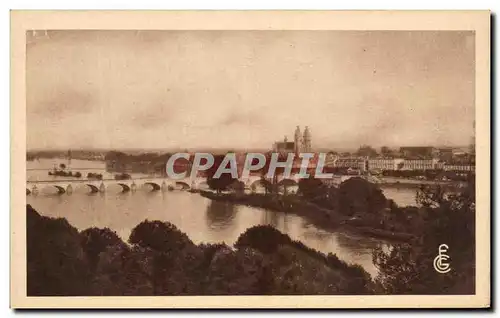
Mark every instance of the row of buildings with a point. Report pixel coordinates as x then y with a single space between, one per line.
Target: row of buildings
393 164
405 158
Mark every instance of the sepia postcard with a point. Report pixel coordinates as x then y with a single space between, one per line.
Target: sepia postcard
250 159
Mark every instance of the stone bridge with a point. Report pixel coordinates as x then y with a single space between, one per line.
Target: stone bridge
157 184
154 184
95 186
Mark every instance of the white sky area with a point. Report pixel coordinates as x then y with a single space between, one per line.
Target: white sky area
247 89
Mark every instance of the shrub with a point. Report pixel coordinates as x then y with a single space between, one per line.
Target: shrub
55 260
263 238
159 236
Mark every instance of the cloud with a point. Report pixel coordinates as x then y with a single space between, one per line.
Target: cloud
61 103
249 88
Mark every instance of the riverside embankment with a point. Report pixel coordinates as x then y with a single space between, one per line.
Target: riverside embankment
327 219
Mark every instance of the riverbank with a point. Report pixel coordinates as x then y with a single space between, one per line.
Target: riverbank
323 218
286 204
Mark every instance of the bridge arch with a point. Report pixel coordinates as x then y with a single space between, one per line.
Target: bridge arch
260 182
184 185
155 185
60 189
125 187
93 188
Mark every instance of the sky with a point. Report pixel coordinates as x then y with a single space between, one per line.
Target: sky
248 89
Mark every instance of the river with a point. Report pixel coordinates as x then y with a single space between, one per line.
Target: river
201 219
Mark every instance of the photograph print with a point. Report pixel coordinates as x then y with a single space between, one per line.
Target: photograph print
275 162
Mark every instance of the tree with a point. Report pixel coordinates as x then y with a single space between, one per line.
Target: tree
385 151
356 195
447 218
285 183
62 166
272 184
159 236
220 184
56 263
263 238
237 186
268 186
114 155
94 241
312 188
168 247
224 180
366 151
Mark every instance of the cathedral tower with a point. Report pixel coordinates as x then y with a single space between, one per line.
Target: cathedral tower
298 140
307 146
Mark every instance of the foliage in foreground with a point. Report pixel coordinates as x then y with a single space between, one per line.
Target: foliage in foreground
162 260
447 218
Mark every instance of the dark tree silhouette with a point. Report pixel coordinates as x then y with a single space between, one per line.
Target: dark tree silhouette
94 241
163 261
366 151
55 260
159 236
385 151
447 218
224 181
356 195
312 188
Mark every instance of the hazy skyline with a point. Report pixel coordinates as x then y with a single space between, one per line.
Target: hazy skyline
235 89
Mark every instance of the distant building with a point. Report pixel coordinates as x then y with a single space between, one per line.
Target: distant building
460 168
420 164
330 159
358 163
385 164
440 165
445 154
284 146
301 143
418 152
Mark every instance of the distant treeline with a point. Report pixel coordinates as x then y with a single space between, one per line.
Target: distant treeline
74 154
62 173
143 157
117 161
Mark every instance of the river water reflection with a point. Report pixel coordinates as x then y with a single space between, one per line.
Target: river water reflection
201 219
